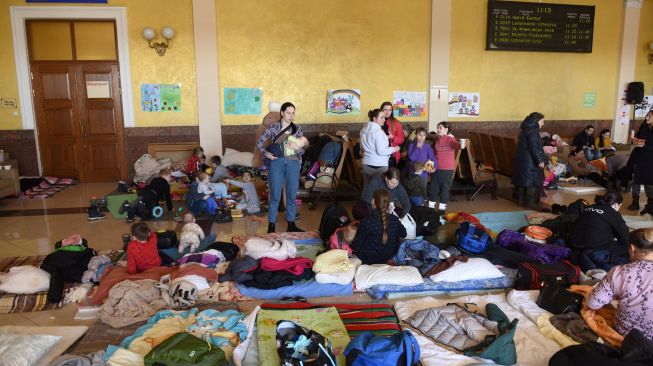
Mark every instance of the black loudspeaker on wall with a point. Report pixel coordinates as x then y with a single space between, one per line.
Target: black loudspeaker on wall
635 92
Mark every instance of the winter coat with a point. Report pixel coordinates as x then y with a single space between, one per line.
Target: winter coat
644 131
530 154
583 139
417 253
544 253
597 226
641 161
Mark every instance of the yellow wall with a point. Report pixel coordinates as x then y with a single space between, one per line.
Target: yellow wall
644 70
513 84
177 66
298 49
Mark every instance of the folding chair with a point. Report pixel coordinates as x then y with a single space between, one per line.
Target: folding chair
328 184
484 176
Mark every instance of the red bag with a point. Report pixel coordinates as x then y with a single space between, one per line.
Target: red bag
532 276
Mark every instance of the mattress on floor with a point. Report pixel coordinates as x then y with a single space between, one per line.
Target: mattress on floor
574 188
432 288
305 289
533 348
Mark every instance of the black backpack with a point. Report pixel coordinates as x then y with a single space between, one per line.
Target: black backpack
426 220
333 217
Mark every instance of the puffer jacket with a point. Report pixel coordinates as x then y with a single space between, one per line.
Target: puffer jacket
418 253
454 326
530 153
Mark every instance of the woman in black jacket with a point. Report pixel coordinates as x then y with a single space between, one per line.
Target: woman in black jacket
528 168
600 227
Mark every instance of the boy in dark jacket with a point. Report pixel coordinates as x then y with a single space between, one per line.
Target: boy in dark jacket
415 185
158 190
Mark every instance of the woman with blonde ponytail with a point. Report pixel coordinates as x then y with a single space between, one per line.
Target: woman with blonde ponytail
379 234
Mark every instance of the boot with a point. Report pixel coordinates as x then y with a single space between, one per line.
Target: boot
533 200
123 207
635 205
271 227
292 228
521 196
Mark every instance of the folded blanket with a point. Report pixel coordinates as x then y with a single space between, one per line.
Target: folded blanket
341 278
294 266
306 289
262 248
333 261
377 274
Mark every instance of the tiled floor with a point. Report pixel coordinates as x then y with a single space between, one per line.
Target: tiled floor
32 235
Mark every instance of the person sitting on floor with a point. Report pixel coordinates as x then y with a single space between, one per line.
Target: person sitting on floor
415 185
599 237
585 140
604 143
581 168
388 182
149 197
142 251
250 202
632 285
197 200
378 236
220 173
195 162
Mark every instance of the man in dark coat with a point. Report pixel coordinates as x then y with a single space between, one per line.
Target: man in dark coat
641 164
528 176
586 140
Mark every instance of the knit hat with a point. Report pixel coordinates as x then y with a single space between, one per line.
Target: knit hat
333 261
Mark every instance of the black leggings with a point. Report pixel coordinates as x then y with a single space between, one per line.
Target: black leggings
440 186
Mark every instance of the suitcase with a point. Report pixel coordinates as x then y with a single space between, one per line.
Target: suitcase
532 276
166 239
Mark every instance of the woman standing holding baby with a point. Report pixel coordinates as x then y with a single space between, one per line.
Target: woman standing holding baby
283 157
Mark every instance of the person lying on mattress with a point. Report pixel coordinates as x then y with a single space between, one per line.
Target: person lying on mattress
379 234
632 285
599 237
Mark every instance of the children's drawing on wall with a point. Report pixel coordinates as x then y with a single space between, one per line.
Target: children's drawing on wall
464 104
642 108
161 97
409 104
340 101
243 100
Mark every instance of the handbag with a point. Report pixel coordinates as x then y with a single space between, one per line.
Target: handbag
410 225
184 349
366 349
558 300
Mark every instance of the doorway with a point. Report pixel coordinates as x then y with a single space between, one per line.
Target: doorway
74 69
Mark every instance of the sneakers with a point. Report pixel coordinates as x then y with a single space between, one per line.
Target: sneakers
124 206
94 214
442 207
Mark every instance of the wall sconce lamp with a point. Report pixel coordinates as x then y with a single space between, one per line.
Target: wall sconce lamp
160 47
650 53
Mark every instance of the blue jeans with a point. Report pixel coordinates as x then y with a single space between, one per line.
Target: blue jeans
198 207
416 200
592 154
283 170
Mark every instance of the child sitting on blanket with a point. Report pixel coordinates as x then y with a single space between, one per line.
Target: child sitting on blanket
142 251
249 203
197 200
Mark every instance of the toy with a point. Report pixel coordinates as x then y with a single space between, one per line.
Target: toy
157 212
429 166
191 234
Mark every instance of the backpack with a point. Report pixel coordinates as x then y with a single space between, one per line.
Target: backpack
472 239
183 349
297 346
337 240
426 219
532 276
177 294
558 300
366 349
330 153
333 217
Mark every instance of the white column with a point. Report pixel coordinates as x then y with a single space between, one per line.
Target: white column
629 35
205 33
439 65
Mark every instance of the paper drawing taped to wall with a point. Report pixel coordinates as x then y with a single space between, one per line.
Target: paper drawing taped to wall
341 101
642 108
409 104
161 97
464 104
242 100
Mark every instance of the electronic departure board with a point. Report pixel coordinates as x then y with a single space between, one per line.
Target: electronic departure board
519 26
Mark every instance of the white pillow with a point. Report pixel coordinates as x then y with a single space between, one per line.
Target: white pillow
233 157
21 350
383 274
24 280
473 269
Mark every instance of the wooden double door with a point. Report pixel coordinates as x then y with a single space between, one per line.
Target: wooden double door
79 119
